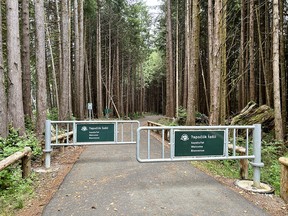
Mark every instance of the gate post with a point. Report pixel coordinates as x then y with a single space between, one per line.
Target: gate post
47 149
257 164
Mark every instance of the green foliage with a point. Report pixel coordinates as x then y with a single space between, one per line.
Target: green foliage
182 116
14 143
13 189
270 173
167 122
9 146
13 197
29 124
136 115
199 117
153 68
52 114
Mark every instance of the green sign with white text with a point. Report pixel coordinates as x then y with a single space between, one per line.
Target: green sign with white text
95 133
199 143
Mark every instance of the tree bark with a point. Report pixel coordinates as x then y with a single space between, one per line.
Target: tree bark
223 97
76 92
55 85
177 63
210 46
187 53
241 70
215 103
3 96
64 76
268 68
251 52
81 60
282 67
99 66
170 105
25 57
195 33
40 67
276 77
15 99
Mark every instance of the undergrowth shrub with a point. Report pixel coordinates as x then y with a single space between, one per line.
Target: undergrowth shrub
13 189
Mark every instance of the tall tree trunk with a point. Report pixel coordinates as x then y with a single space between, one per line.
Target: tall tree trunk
282 67
128 85
108 81
187 53
241 87
122 88
25 57
64 77
15 99
210 46
215 103
170 105
223 96
3 96
267 70
99 65
81 60
195 33
55 85
262 62
60 58
117 73
76 62
70 112
276 77
251 53
40 67
177 62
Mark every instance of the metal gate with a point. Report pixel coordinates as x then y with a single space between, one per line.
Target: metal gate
88 133
197 143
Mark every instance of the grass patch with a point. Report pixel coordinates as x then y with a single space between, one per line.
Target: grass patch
270 173
19 191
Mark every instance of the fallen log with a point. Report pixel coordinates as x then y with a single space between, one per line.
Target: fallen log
253 114
62 136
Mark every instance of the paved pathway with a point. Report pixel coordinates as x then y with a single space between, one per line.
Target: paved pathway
107 180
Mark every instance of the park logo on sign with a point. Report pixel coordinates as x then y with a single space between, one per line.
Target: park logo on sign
184 137
84 128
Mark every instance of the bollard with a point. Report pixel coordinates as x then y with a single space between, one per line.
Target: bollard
47 149
257 164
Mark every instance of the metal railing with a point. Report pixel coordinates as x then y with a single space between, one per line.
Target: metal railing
76 133
156 149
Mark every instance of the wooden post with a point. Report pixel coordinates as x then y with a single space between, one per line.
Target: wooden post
244 165
284 178
25 156
26 163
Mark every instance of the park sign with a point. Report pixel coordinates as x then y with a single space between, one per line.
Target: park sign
199 143
93 133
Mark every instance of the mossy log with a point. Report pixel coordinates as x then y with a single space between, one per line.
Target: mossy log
253 114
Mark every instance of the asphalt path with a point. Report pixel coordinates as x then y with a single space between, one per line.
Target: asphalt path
108 180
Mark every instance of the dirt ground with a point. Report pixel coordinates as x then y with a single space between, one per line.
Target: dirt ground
48 182
63 160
